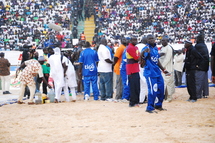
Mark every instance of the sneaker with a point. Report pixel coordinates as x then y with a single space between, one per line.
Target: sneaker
109 99
124 101
160 108
193 101
86 97
151 111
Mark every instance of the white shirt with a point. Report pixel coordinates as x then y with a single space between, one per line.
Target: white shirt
104 53
179 62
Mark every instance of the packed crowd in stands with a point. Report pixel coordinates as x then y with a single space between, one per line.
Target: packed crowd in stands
24 21
176 18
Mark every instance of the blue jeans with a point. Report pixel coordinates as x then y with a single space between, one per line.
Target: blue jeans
93 80
106 85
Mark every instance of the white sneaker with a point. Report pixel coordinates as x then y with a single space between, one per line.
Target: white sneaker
86 97
109 99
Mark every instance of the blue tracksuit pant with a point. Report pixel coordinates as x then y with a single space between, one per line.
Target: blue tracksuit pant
93 80
126 88
155 89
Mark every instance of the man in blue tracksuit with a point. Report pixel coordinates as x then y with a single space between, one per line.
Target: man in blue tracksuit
153 75
126 89
88 59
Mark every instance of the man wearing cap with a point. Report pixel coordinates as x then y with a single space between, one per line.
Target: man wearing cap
32 68
166 59
190 69
4 74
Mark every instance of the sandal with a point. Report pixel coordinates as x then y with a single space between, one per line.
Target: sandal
31 103
55 101
19 102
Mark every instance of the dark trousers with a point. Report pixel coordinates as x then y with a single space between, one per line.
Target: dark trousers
202 88
191 84
134 83
46 76
178 78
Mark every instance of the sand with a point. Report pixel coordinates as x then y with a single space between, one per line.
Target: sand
109 122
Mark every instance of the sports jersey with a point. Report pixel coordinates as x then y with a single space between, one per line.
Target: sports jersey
132 55
151 68
89 58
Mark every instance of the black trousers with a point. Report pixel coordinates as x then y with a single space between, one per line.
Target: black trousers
191 84
45 85
134 84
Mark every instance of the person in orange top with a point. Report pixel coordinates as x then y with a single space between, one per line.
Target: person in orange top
117 62
82 36
33 46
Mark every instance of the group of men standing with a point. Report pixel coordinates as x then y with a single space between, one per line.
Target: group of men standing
140 69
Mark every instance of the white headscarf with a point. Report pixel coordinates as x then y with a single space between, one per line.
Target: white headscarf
57 51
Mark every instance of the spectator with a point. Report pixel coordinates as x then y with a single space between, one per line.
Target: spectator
213 63
4 74
166 61
132 69
88 68
202 66
32 68
178 67
105 71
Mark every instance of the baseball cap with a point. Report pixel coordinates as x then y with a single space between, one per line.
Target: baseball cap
188 41
41 58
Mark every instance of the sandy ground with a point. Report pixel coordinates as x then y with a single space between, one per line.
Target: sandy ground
109 122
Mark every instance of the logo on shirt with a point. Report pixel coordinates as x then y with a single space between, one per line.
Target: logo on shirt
154 59
89 67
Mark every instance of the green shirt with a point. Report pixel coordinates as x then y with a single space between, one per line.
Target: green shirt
45 69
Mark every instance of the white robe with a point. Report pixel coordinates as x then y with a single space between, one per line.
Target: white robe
70 75
57 72
143 84
167 62
56 69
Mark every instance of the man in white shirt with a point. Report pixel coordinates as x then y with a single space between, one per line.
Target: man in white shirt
178 67
105 70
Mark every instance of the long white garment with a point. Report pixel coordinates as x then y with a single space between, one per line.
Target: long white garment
70 74
143 84
70 81
57 72
167 62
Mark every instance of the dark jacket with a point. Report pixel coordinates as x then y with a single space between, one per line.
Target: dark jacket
203 62
191 59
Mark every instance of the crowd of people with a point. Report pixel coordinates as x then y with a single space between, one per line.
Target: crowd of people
27 21
177 19
144 72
